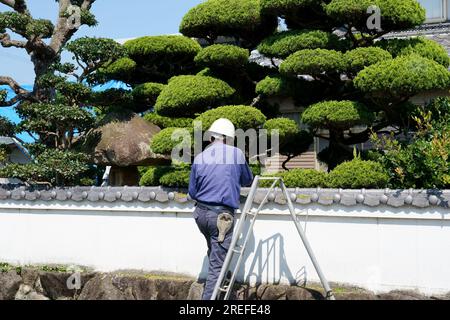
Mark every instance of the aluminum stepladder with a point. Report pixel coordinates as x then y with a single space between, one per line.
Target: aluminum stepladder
239 250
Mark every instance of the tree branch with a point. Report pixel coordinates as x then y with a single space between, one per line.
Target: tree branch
18 5
6 42
13 84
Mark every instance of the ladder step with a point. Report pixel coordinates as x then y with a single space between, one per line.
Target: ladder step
238 251
223 289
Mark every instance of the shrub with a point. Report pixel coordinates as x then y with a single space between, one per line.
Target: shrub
167 122
403 76
178 178
313 62
358 174
360 58
285 43
152 176
337 114
166 48
243 117
287 128
215 18
188 95
120 69
284 6
396 14
147 93
162 142
299 178
302 178
222 56
424 47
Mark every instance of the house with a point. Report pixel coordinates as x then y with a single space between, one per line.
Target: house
15 153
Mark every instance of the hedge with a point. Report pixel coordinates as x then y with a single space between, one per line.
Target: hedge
313 62
403 76
273 86
337 114
162 142
167 122
221 55
185 96
284 6
240 18
360 58
147 93
178 178
243 117
424 47
152 176
285 43
396 14
300 178
358 174
156 48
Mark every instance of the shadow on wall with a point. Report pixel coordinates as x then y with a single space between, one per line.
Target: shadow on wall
267 263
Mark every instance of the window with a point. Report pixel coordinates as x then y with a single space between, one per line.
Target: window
437 10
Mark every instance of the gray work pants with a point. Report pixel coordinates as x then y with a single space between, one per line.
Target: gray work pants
207 223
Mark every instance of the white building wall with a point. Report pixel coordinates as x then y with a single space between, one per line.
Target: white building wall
379 249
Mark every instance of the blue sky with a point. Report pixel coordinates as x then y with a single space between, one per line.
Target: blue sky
118 19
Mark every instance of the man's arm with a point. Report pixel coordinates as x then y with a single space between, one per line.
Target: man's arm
246 175
193 182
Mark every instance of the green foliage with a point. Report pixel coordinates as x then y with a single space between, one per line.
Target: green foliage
25 25
7 128
222 56
395 14
53 166
146 94
243 117
313 62
284 6
236 18
95 53
302 178
360 58
167 122
285 43
121 69
188 95
358 174
337 114
164 141
178 178
152 176
402 77
424 47
152 49
422 161
286 128
47 117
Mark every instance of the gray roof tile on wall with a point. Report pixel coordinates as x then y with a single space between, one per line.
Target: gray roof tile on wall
325 197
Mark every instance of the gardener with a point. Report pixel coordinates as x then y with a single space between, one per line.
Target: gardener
215 184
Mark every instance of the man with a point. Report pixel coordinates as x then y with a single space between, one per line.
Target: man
215 184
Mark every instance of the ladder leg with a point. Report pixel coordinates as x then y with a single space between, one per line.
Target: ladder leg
244 245
229 257
307 245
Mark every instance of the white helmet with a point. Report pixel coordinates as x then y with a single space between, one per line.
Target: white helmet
223 127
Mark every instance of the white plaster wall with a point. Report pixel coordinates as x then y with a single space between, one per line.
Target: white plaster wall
380 249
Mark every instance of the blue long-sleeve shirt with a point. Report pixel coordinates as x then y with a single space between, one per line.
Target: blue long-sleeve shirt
218 174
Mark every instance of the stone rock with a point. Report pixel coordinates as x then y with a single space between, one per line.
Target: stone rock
355 296
301 294
54 284
124 140
196 291
26 292
271 292
105 287
9 285
173 289
246 293
402 295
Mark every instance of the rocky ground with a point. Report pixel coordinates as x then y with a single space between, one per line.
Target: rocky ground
50 283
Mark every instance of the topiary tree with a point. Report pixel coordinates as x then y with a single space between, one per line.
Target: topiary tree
293 141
